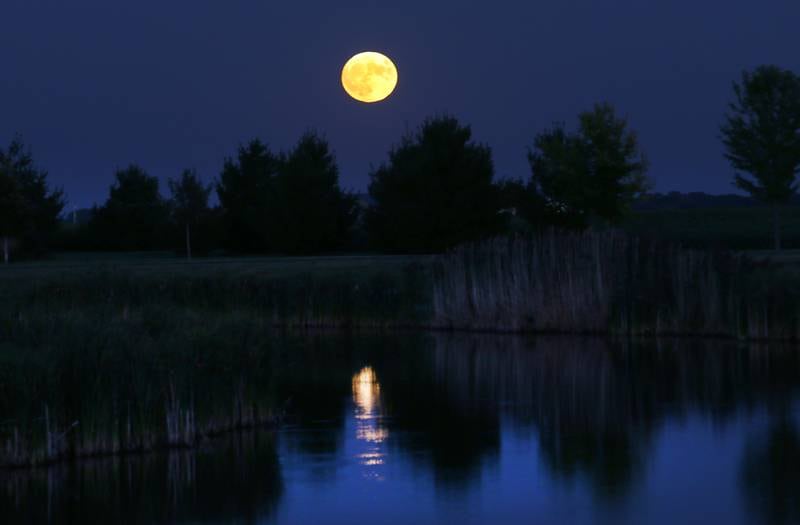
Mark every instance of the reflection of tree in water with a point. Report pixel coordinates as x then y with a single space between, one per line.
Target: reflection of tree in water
436 428
596 404
771 473
236 478
315 377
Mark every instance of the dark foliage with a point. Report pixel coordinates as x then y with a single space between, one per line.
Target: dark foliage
29 210
435 191
761 134
285 203
593 174
313 213
246 193
134 217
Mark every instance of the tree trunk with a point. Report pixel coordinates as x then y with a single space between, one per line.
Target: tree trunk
5 250
188 243
776 227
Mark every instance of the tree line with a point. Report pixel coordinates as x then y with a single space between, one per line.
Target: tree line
436 189
268 203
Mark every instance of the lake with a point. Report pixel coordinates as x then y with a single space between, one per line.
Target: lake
441 428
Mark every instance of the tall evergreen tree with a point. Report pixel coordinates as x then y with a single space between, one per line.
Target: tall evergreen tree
246 191
314 214
761 134
134 216
435 191
29 210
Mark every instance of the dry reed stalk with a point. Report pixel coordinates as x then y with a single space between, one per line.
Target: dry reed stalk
602 282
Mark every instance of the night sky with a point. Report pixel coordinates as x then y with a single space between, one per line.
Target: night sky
93 85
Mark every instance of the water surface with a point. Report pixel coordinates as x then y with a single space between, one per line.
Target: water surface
420 429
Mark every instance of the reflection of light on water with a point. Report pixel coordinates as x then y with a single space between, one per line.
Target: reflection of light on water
371 458
367 399
372 435
366 393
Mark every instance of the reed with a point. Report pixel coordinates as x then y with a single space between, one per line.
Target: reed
608 282
92 383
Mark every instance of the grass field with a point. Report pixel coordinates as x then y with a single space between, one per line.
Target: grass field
166 263
731 228
330 290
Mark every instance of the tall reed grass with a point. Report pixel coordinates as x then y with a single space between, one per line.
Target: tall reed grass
94 383
608 282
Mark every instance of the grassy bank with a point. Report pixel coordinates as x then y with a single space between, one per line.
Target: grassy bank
87 383
601 282
306 291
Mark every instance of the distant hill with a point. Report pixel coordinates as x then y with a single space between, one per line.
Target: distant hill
675 200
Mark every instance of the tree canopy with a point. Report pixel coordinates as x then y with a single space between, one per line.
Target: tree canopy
313 212
135 216
287 202
29 210
246 194
593 173
434 192
761 134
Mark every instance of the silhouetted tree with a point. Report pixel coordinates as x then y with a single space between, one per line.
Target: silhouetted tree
246 191
12 210
189 204
314 214
761 134
28 209
435 192
135 216
595 173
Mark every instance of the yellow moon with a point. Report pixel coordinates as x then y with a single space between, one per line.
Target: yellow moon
369 77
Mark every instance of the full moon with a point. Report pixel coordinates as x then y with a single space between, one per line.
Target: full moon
369 77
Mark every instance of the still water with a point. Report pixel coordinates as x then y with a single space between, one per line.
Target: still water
421 429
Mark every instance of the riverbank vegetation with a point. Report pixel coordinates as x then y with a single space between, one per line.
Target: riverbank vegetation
611 283
97 382
602 282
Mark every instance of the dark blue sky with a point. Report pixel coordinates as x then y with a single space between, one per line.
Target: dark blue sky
93 85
